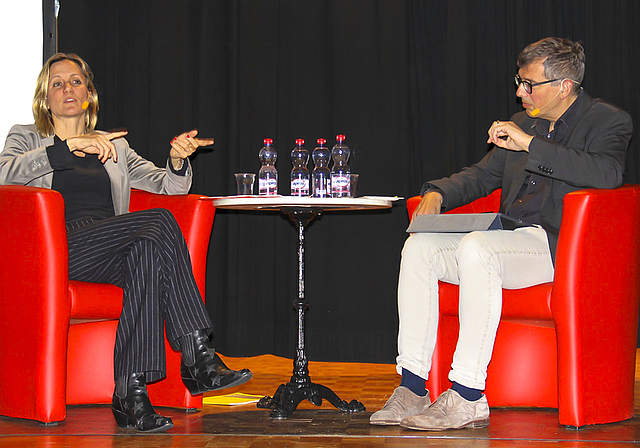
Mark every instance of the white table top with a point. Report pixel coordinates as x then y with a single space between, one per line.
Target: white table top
284 202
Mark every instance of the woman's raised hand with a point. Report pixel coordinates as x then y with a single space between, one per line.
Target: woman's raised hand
96 143
186 144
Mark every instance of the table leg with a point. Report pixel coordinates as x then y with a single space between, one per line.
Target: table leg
300 387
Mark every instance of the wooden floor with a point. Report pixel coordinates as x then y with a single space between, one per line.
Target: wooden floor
311 426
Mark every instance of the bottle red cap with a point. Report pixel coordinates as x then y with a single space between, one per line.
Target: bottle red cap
341 138
268 141
299 141
322 141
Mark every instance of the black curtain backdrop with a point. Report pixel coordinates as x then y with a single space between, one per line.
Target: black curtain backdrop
49 32
414 85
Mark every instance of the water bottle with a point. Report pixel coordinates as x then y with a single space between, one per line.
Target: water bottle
321 175
299 171
268 175
340 179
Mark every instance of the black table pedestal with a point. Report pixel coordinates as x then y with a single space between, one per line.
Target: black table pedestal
300 387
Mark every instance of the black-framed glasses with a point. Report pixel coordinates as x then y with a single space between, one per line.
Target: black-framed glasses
528 85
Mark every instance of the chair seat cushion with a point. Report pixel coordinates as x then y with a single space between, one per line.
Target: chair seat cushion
527 303
94 300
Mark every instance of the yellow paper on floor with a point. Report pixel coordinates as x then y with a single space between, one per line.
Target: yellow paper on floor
232 399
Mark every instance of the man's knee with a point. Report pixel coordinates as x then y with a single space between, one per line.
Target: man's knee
475 248
427 246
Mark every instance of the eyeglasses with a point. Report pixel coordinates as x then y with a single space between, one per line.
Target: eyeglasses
528 85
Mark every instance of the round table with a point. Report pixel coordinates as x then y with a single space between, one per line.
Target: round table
302 203
302 210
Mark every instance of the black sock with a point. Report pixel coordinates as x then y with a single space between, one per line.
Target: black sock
413 382
467 393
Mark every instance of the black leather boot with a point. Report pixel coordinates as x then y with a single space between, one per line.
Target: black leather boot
131 406
202 369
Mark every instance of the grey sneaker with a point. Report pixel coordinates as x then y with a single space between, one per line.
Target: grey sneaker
451 411
402 403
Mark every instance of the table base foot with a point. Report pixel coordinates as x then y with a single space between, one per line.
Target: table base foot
288 396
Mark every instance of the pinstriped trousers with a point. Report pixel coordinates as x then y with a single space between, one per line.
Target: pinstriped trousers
145 254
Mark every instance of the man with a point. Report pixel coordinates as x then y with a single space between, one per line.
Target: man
563 141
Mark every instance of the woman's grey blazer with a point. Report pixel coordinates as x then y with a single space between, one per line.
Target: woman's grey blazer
24 161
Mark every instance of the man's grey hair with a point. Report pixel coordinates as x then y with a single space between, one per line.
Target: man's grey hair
561 58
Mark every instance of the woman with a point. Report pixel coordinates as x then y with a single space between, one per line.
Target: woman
143 252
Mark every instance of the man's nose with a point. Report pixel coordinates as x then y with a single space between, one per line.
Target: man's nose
520 91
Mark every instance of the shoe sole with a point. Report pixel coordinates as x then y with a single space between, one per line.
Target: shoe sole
474 425
124 421
196 387
160 429
384 423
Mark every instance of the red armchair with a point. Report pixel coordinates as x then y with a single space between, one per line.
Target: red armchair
57 336
570 344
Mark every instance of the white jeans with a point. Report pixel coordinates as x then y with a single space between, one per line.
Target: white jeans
482 263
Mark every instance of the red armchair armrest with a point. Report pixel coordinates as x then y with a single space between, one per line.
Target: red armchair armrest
595 302
34 288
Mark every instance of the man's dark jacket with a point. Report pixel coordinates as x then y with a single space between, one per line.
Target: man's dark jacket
590 155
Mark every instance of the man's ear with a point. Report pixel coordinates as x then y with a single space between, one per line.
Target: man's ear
567 88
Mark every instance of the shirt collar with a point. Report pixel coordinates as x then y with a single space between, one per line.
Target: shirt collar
542 126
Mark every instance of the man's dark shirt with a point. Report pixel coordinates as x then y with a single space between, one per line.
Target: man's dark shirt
528 202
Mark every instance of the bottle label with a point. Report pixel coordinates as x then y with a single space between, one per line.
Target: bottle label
300 187
321 187
268 187
320 193
340 184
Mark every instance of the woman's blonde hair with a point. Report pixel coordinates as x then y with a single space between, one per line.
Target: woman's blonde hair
42 114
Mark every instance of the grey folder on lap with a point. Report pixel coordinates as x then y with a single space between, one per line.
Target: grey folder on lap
462 223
